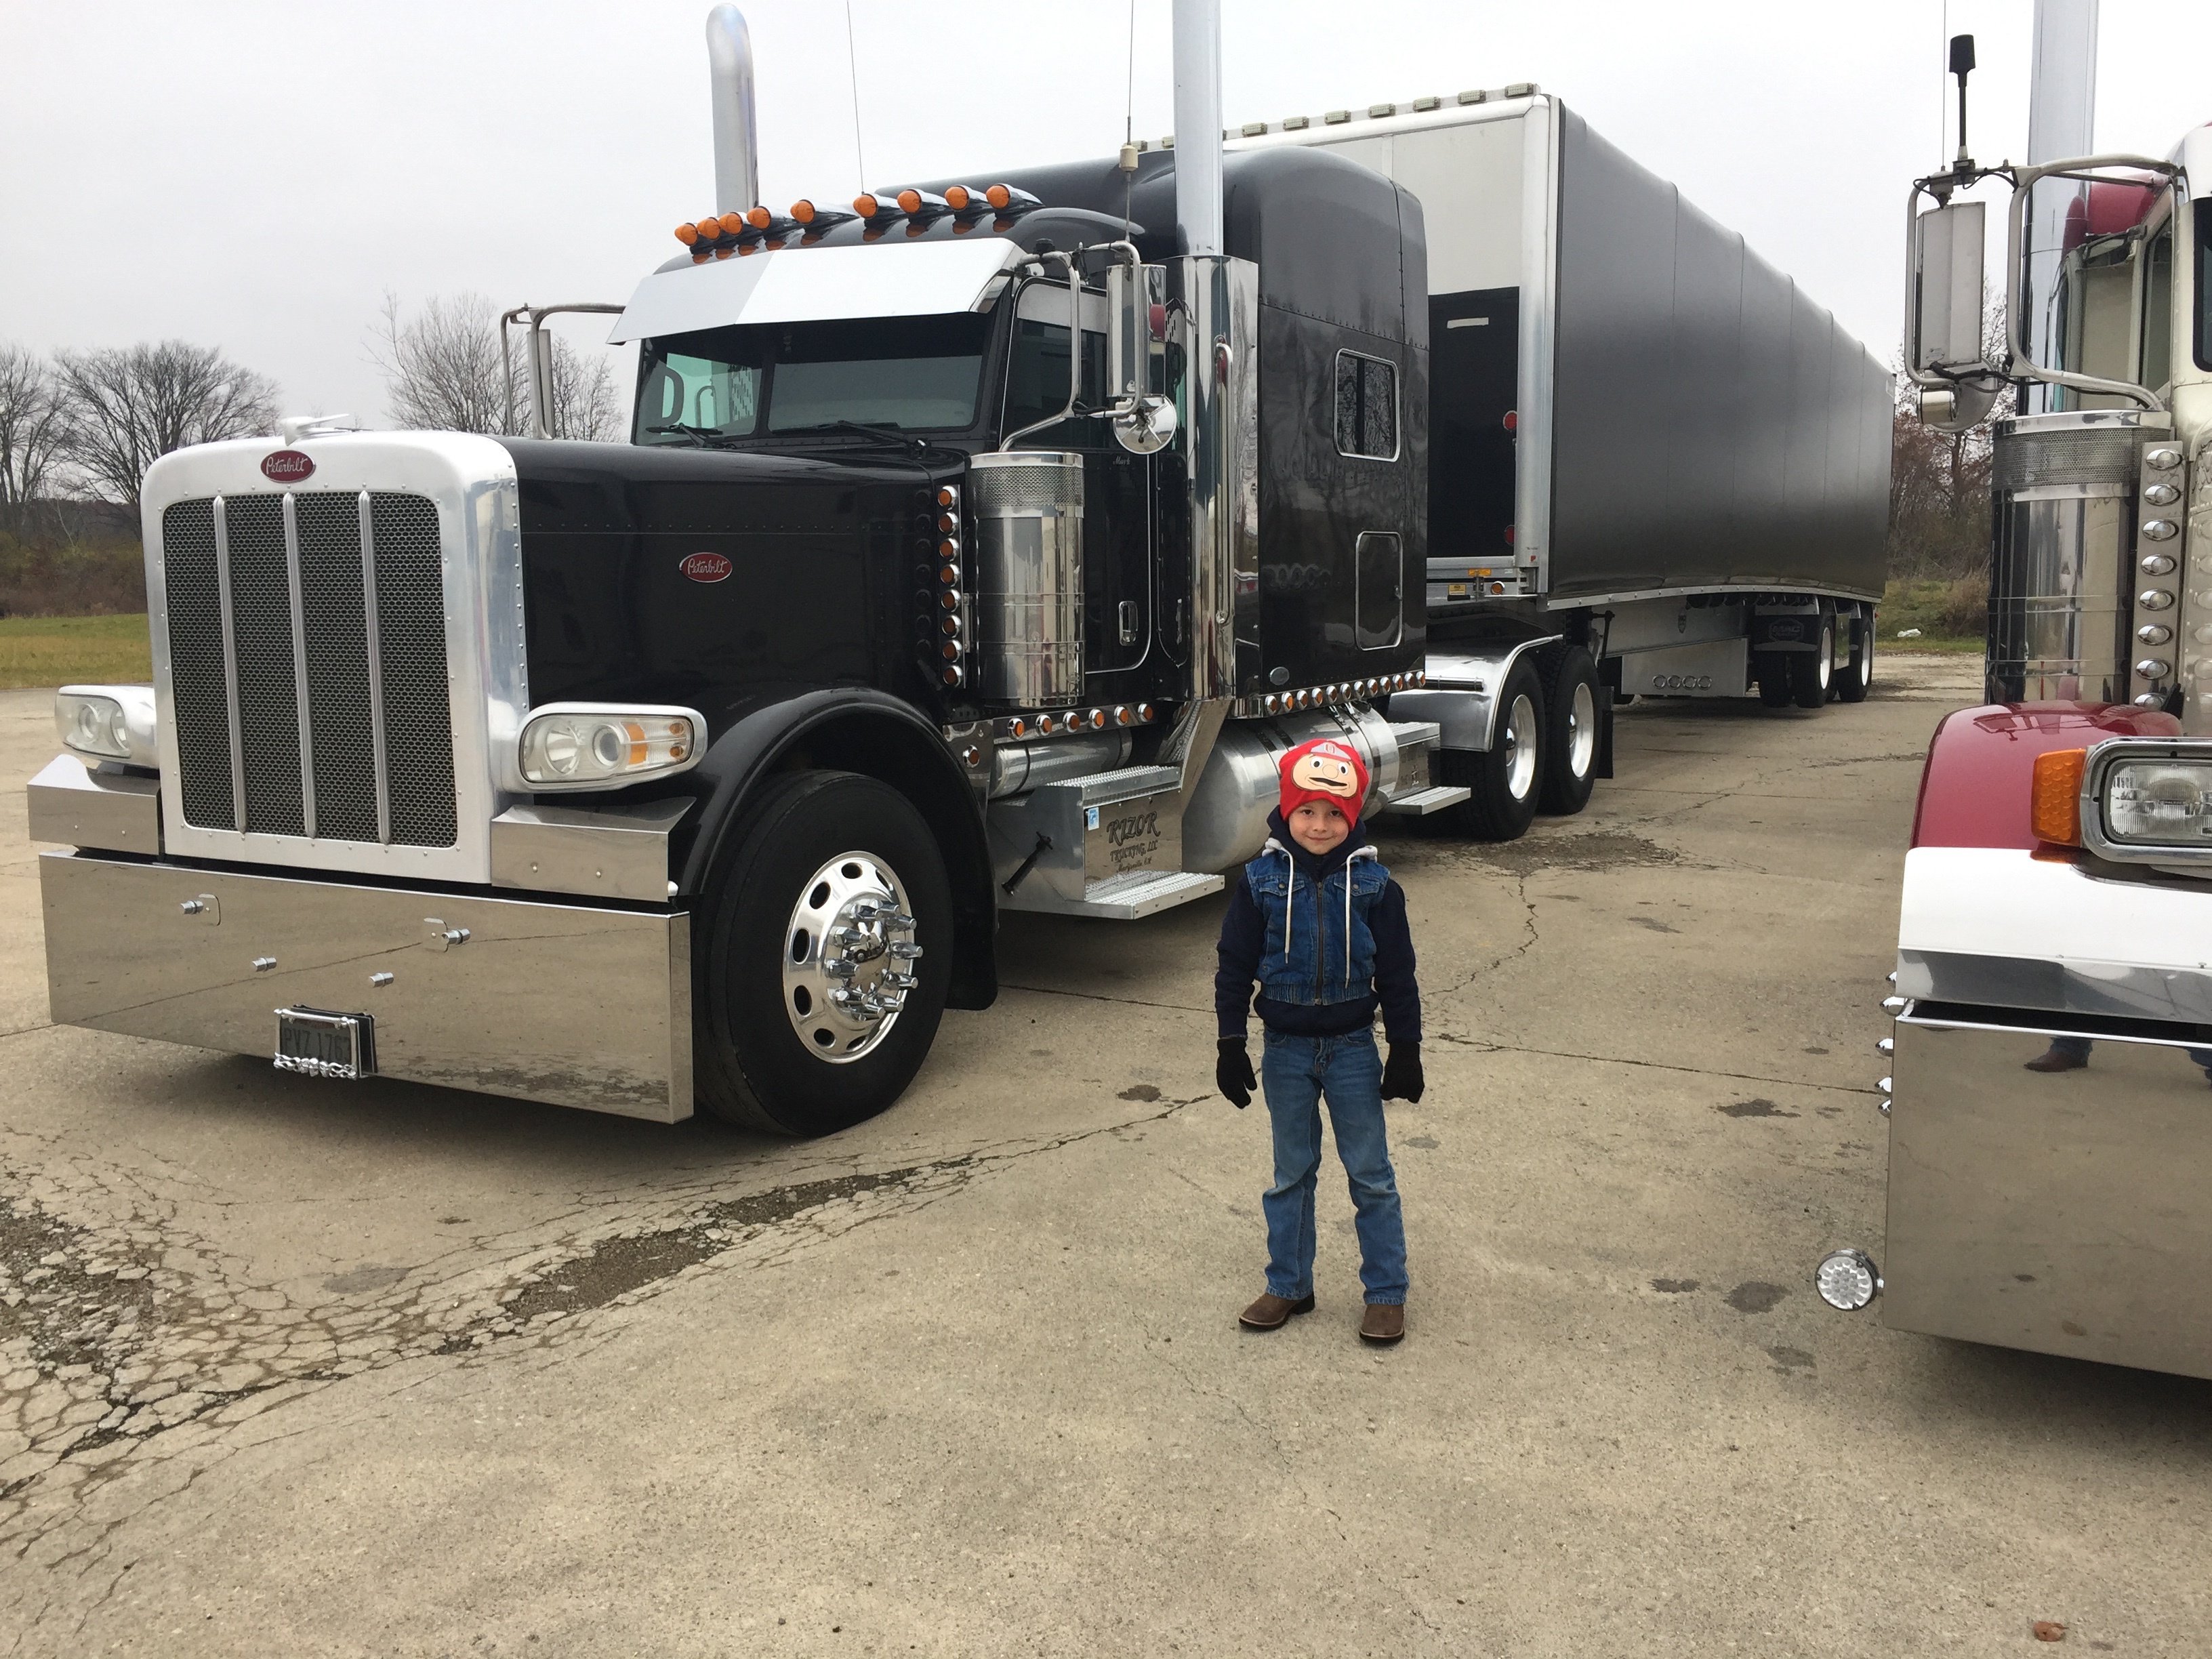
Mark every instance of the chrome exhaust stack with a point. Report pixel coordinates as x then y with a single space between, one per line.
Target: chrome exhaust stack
729 70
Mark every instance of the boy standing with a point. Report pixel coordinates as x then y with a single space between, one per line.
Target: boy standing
1317 919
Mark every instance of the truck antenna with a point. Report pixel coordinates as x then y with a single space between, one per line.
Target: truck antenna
852 76
1129 126
1962 63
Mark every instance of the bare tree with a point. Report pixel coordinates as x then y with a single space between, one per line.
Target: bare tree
445 373
34 430
130 405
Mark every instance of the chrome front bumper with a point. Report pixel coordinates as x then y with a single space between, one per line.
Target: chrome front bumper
2066 1213
565 1003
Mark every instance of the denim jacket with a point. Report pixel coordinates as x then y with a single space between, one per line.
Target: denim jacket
1326 939
1320 945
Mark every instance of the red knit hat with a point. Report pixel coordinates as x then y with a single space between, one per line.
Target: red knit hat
1324 770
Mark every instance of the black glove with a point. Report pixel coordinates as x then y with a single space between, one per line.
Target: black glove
1402 1072
1232 1073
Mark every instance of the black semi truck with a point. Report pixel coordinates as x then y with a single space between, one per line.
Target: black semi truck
978 548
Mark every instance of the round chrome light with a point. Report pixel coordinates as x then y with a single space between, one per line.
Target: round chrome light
2159 529
2149 700
2161 493
2156 599
2156 564
2153 668
1847 1280
1892 1004
2159 633
2162 460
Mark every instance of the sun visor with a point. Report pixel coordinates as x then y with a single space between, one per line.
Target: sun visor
806 285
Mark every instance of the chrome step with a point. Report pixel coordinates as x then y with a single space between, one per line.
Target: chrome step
1422 802
1124 897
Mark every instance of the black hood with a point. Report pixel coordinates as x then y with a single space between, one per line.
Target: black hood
700 577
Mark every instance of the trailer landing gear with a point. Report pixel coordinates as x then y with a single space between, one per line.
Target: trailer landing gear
823 957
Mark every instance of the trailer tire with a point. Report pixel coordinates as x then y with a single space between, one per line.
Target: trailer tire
1812 673
1858 677
1570 730
820 851
1507 778
1771 669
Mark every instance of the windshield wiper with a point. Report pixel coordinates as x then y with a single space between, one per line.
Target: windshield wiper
698 435
886 433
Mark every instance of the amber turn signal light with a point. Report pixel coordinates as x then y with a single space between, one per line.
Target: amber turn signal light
687 235
2054 811
866 206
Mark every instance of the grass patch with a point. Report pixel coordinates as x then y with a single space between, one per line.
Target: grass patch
67 650
1951 615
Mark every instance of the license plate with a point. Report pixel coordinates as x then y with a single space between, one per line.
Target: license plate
323 1045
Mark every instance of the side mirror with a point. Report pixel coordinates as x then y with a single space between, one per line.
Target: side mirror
1947 323
1144 422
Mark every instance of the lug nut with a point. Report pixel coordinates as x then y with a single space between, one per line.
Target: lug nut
1886 1046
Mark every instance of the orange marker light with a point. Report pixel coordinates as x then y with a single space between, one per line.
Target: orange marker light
732 223
758 217
687 235
709 229
998 196
2054 811
910 201
962 198
802 211
866 206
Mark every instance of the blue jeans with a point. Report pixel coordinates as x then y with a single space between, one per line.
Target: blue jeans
1296 1073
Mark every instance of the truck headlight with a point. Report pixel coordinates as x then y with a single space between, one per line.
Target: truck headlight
2159 802
108 722
574 745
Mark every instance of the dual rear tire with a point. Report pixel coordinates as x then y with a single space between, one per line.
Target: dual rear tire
1543 751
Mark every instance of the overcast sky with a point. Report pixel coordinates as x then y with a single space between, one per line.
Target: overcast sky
257 175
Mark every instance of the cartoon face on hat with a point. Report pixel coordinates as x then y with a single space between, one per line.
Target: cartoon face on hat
1323 769
1326 768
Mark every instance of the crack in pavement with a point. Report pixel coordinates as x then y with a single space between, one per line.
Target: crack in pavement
124 1342
1485 1045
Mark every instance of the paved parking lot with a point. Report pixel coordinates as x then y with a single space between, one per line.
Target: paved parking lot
307 1368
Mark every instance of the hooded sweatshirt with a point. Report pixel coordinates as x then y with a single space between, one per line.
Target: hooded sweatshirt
1308 902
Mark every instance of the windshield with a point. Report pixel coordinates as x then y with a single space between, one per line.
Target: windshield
914 373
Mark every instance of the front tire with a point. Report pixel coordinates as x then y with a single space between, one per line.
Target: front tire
1506 779
822 967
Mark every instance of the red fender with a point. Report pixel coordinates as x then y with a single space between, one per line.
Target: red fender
1974 787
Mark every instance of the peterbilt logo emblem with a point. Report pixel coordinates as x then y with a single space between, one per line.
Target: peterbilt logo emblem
1784 628
706 566
287 466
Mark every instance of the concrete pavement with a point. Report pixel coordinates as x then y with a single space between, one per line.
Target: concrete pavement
288 1366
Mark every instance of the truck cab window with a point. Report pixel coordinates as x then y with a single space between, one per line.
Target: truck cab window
2156 368
910 373
1036 381
1366 406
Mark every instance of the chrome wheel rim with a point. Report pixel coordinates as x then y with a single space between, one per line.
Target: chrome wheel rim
1827 656
1520 753
848 956
1582 730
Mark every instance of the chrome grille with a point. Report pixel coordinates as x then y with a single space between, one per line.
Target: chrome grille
269 594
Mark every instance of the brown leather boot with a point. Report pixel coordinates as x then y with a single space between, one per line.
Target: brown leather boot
1384 1323
1272 1312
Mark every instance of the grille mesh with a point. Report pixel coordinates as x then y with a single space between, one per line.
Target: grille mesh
419 723
261 630
344 766
194 608
411 675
